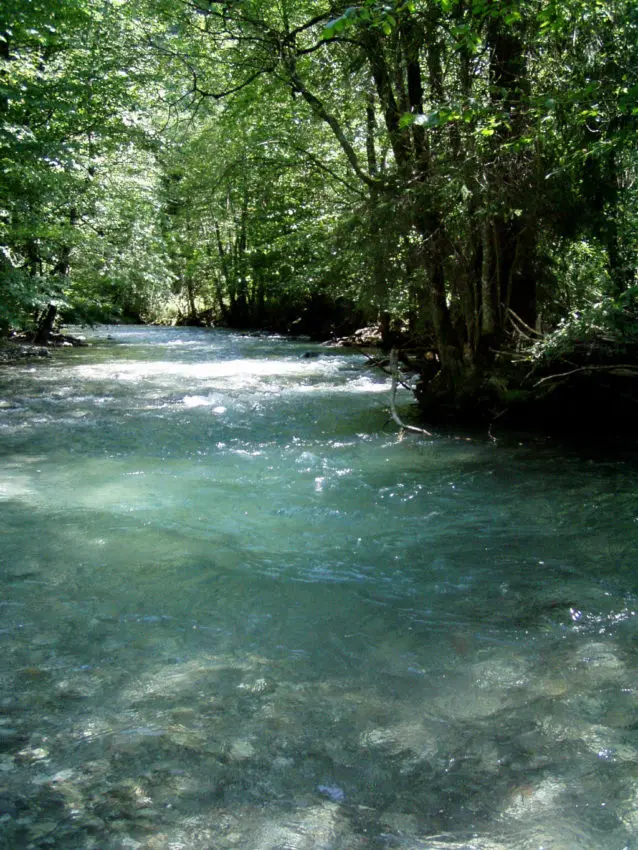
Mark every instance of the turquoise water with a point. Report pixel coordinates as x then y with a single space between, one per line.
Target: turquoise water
240 610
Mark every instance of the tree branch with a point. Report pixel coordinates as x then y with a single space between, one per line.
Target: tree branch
322 167
219 95
321 112
629 370
394 365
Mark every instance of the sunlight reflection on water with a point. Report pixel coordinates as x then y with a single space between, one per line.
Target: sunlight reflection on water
228 585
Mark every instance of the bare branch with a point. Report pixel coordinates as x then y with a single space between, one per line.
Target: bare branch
629 370
323 167
233 90
520 321
394 365
311 23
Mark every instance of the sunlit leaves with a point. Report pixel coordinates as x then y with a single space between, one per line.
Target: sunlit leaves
68 80
381 16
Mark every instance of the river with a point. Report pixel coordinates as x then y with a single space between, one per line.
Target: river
242 612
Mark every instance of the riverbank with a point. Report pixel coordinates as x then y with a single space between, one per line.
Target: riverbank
584 392
591 389
17 352
20 346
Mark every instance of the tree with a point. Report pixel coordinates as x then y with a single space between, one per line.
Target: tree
70 113
465 121
449 165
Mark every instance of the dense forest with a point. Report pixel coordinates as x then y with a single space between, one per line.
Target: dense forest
462 174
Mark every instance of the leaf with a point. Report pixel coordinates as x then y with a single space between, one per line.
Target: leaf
333 28
428 119
337 25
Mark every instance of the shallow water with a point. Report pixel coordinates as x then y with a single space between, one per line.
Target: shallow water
241 611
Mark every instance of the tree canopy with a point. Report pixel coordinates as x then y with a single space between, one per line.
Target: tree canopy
462 169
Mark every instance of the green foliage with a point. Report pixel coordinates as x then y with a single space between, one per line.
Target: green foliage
121 263
70 111
433 162
23 295
604 330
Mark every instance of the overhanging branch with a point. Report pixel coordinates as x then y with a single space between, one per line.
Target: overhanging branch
321 112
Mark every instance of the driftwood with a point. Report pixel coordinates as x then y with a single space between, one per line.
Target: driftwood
391 367
383 364
394 366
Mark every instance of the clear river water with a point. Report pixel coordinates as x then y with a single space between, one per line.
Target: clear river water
241 611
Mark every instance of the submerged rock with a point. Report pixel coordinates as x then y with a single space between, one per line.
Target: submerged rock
241 750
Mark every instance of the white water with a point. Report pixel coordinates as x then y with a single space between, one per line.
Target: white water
240 611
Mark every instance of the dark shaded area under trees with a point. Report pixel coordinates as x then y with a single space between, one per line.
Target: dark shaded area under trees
460 174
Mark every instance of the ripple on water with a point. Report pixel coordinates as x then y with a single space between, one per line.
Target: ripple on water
226 587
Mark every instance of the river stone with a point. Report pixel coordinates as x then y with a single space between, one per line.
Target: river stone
478 843
33 754
183 714
34 674
157 842
92 823
415 738
332 792
53 779
552 686
317 828
626 752
600 664
78 688
530 800
629 812
131 739
190 739
130 843
147 814
241 749
259 686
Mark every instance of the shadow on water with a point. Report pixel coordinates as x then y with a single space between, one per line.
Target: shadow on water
245 629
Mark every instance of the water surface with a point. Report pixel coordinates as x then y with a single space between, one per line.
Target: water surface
241 612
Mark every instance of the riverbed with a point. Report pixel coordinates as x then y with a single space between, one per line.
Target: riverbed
242 611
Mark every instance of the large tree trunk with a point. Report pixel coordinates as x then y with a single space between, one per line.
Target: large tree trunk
511 283
45 327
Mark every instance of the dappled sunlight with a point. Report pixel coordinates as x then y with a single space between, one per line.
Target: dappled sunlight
17 487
